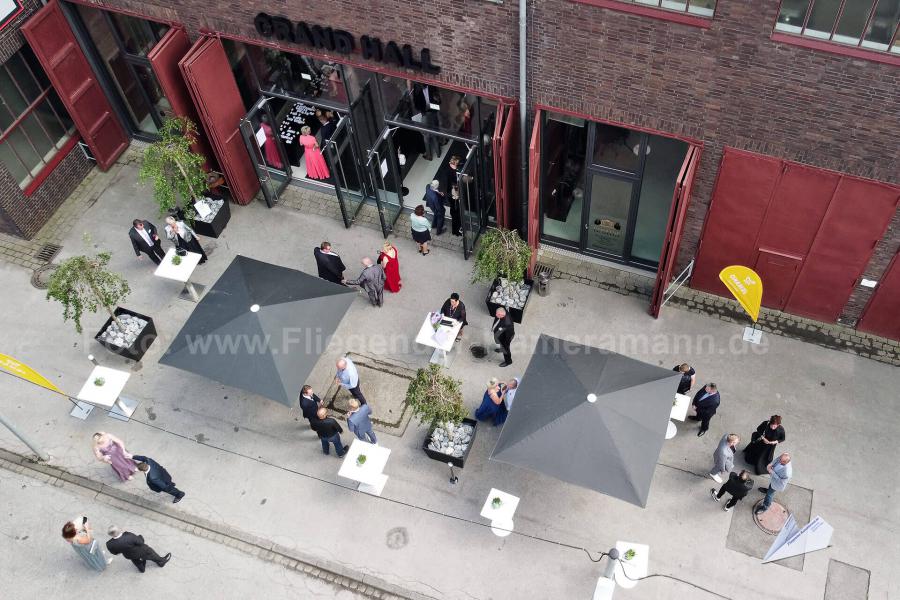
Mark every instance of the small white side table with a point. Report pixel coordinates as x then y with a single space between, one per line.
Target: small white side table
369 474
441 340
106 395
636 567
181 272
679 413
501 517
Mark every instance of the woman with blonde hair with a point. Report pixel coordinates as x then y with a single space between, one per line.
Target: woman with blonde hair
181 234
315 162
79 535
492 405
111 450
387 258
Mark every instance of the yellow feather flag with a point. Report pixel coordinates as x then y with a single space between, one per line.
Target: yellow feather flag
20 369
745 285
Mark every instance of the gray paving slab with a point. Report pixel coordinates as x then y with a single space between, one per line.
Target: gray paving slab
846 582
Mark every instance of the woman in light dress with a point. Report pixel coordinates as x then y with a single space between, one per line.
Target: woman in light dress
79 535
111 450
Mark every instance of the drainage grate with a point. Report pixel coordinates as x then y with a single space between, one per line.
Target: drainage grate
48 252
539 268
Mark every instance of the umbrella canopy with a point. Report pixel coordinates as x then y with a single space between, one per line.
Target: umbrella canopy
610 445
260 328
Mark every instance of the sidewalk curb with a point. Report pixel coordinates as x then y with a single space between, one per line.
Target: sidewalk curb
295 559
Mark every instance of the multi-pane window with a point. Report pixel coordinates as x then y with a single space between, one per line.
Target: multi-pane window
703 8
869 24
33 121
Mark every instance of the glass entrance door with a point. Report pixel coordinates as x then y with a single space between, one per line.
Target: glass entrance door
267 151
384 175
469 202
344 167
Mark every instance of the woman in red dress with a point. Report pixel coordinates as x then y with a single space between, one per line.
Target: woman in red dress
387 258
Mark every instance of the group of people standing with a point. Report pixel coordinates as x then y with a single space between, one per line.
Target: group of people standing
437 201
145 239
376 276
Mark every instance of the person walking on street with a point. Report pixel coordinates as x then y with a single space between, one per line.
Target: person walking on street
133 548
309 404
761 449
144 238
158 479
80 536
372 280
780 473
111 450
388 259
331 267
723 457
348 378
329 432
504 332
359 421
706 401
738 485
688 377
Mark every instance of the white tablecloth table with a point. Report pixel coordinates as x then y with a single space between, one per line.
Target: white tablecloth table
679 413
441 340
635 568
181 272
369 474
106 395
501 517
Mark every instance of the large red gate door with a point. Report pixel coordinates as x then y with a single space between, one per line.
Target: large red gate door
207 73
54 45
882 314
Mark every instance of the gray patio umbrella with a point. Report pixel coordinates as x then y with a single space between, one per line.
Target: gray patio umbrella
610 445
260 328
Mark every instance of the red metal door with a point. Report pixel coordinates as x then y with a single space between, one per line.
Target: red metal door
534 190
677 211
54 45
499 179
506 163
164 58
737 209
211 84
857 218
882 314
778 272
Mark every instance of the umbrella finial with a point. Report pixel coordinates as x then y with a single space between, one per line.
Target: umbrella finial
254 308
592 398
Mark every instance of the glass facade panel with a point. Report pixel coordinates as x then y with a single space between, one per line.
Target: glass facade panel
608 219
848 23
663 163
427 105
704 8
822 18
883 25
616 148
564 142
137 35
791 16
853 21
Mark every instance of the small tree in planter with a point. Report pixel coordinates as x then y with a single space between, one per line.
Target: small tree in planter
83 283
501 253
175 170
435 397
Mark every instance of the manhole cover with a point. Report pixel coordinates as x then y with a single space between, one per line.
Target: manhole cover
41 276
773 520
478 351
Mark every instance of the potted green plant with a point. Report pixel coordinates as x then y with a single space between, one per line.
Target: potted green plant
100 381
435 399
497 502
83 283
503 258
360 460
178 179
176 260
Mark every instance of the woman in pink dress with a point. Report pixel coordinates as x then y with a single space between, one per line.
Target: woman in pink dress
388 260
270 149
315 162
111 450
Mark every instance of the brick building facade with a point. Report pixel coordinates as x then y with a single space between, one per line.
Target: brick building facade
638 75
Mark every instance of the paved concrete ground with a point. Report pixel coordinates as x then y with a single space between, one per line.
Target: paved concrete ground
245 461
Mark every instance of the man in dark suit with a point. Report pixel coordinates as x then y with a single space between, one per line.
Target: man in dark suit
133 548
309 404
144 239
158 479
329 432
504 332
706 401
331 267
455 309
434 200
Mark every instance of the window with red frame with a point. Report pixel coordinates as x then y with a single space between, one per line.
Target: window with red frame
866 24
33 121
701 8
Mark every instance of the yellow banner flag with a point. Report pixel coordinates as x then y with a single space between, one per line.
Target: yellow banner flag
19 369
746 286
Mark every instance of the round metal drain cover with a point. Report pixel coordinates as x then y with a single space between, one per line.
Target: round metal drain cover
773 520
41 276
478 351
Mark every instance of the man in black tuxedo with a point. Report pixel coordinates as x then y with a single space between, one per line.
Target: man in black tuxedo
133 548
144 239
706 401
309 404
331 267
158 479
504 332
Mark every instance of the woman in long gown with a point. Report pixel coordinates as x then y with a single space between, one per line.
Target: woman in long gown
761 450
315 162
387 258
492 405
111 450
183 236
273 158
78 533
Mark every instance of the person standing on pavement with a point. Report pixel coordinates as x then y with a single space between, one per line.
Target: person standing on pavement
158 479
80 536
421 229
111 450
359 422
309 404
761 449
348 378
452 187
706 401
723 457
688 377
372 280
181 234
780 473
738 485
454 308
512 387
329 432
133 548
434 200
504 332
331 267
144 238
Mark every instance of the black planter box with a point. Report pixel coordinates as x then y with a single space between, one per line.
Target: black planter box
141 344
515 313
215 228
445 458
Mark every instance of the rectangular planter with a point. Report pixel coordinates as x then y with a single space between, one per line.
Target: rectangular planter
140 346
446 458
217 226
515 313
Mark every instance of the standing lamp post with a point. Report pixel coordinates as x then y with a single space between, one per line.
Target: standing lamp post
453 477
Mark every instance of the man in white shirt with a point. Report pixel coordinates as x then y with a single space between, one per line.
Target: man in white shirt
144 239
512 387
348 378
